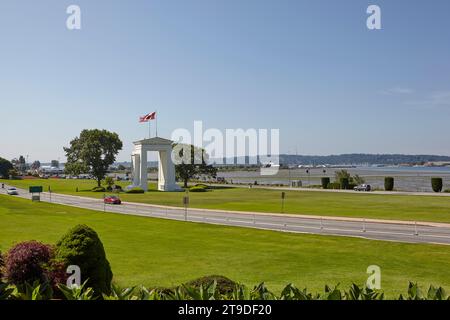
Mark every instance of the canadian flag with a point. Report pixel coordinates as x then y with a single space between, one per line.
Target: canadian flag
148 117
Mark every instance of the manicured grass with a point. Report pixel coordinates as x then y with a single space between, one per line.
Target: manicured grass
400 207
157 252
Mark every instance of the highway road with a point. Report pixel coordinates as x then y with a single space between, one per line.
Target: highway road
397 231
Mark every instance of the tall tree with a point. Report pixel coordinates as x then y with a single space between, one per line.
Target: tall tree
193 163
94 151
5 166
54 164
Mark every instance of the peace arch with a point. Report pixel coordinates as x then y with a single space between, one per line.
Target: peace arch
166 168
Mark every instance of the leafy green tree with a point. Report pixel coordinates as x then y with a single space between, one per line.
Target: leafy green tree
55 163
193 163
340 174
95 150
5 166
13 173
344 174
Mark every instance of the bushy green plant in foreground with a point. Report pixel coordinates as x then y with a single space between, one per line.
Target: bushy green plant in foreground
81 246
212 291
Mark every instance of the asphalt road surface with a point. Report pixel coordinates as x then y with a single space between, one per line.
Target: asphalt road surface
410 232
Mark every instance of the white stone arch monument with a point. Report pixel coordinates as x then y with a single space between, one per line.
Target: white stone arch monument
166 168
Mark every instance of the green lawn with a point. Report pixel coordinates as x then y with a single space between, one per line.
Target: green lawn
157 252
401 207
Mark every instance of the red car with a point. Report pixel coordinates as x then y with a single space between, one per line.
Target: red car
112 200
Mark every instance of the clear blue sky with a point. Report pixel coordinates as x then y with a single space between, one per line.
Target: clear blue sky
310 68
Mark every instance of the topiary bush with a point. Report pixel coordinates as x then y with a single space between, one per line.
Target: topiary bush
325 181
224 285
136 190
81 246
98 189
345 185
28 262
388 183
436 184
198 189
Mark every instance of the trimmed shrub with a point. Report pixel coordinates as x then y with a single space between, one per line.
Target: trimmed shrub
117 188
198 189
334 185
344 183
388 183
352 186
224 285
325 182
28 262
201 185
98 189
81 246
436 184
136 190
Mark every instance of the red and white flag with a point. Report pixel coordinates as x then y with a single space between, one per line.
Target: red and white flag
148 117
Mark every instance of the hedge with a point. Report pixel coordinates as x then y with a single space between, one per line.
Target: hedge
388 183
436 184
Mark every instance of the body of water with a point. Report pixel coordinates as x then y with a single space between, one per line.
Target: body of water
406 178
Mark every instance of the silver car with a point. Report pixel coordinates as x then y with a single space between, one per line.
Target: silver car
12 191
363 187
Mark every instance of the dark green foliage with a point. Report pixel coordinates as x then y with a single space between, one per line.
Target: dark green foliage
198 189
351 186
98 189
193 163
117 188
325 181
436 184
345 184
224 285
135 190
334 186
94 151
388 183
81 246
5 166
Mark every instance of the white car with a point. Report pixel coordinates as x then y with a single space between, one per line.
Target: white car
12 191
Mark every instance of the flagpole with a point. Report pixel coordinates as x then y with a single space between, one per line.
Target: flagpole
156 123
149 130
